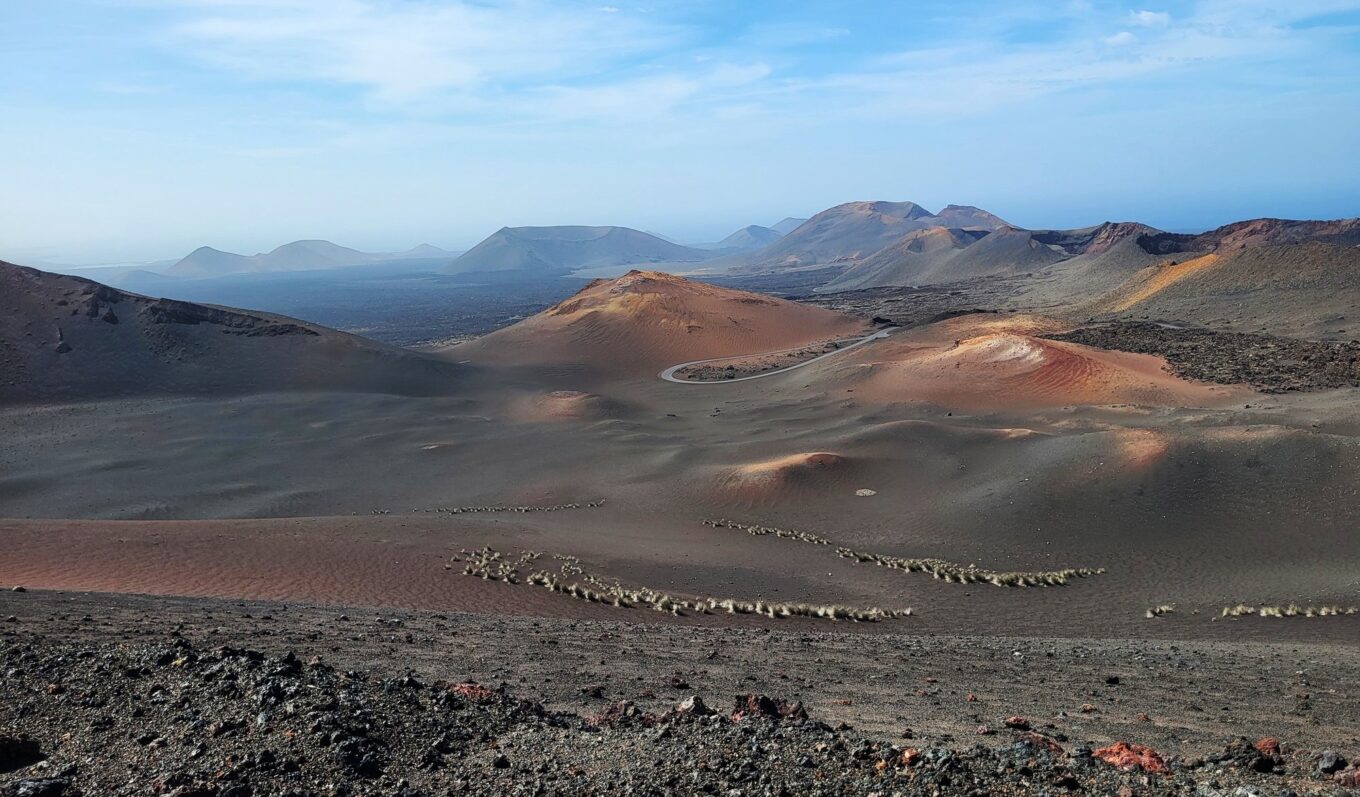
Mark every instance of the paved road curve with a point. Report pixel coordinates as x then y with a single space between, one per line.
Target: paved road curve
669 373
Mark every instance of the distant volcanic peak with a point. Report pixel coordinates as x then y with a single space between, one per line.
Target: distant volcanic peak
1110 233
566 232
752 236
1252 233
636 292
1261 232
934 238
295 256
897 210
208 250
970 216
560 250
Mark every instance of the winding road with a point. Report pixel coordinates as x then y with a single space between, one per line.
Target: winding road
669 373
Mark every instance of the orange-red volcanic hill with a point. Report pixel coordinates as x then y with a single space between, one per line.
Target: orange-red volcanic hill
647 320
986 362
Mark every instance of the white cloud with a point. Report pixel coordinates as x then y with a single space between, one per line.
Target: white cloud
1150 19
402 52
516 63
649 97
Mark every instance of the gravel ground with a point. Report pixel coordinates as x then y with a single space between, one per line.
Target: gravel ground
127 696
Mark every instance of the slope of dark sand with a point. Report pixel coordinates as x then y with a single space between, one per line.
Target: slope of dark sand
1203 508
417 562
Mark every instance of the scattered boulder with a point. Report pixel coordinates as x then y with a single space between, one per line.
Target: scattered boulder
693 706
1252 755
1039 741
1330 762
40 787
1126 755
360 756
753 705
622 713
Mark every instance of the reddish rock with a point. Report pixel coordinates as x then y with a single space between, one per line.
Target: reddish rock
1018 723
1269 747
1041 742
762 706
1350 778
472 691
621 713
692 705
1124 755
909 757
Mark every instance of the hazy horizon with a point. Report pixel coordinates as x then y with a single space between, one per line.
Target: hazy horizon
147 128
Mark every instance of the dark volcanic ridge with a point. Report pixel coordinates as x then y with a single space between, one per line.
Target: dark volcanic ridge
68 338
1269 363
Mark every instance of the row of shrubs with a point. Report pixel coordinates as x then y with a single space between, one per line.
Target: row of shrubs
1292 610
938 568
571 580
462 510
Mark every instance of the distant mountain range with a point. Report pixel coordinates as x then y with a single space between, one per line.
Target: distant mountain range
856 230
1087 256
866 244
567 248
296 256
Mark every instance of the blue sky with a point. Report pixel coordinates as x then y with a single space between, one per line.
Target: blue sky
140 129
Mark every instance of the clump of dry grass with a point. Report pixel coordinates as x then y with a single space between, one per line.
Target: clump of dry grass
1160 610
462 510
1292 610
938 568
573 581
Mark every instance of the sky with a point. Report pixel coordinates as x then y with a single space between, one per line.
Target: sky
138 130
